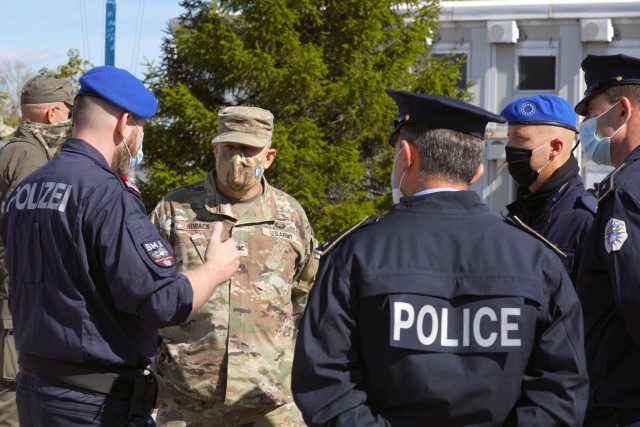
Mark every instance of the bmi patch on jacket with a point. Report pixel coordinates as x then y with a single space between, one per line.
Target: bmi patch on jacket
158 253
615 234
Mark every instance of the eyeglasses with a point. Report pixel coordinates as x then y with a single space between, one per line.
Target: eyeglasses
69 111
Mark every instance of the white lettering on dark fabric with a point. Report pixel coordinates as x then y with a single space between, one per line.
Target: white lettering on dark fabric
41 195
48 186
506 327
490 325
153 245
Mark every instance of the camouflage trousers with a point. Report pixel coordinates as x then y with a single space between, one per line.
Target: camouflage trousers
174 411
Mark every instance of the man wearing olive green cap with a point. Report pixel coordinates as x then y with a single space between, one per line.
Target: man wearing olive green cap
46 104
230 364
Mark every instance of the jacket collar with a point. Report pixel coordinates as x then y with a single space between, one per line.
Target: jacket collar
515 208
79 146
451 202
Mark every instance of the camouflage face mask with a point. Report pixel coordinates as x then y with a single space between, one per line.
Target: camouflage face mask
239 172
50 136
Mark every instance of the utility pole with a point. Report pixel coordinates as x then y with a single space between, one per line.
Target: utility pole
110 33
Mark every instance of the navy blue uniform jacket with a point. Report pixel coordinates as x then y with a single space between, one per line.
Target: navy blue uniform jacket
440 314
609 289
565 222
90 277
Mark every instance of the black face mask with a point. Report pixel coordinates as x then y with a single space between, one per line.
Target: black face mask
519 165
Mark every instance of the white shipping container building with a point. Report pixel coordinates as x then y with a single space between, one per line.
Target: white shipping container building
525 47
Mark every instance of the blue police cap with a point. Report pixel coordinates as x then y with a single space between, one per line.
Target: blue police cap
541 110
604 71
440 112
121 88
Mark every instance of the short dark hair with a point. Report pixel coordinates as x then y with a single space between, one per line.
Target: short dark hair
614 93
449 154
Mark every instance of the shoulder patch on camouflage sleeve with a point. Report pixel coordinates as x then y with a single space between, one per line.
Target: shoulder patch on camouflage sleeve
326 247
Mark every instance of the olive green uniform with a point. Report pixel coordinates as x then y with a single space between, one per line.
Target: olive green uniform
22 154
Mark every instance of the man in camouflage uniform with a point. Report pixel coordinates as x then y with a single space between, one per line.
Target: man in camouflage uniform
230 363
45 103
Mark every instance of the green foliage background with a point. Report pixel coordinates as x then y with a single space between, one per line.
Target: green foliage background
321 67
71 71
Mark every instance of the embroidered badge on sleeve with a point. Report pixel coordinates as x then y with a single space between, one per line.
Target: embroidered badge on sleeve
158 253
615 234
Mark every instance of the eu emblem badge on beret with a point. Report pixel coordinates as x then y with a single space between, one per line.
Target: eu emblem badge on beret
541 110
44 90
250 126
604 71
121 88
440 112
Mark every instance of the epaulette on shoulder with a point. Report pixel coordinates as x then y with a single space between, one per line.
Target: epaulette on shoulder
518 223
130 186
606 186
326 247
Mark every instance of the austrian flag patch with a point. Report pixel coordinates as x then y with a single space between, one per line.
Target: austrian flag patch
159 254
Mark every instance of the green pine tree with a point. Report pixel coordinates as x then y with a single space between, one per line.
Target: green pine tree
321 67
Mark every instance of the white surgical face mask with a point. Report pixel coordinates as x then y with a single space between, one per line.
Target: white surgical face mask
596 148
396 192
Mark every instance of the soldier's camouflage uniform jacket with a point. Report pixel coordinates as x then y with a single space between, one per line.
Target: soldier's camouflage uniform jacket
238 348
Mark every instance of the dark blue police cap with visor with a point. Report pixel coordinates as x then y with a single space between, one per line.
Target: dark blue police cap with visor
121 88
440 112
541 110
603 71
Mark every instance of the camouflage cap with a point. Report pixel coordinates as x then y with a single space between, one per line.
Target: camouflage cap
44 89
251 126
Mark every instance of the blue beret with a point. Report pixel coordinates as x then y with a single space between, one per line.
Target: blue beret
121 88
541 110
604 71
440 112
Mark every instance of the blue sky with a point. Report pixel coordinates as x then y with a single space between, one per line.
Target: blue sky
39 33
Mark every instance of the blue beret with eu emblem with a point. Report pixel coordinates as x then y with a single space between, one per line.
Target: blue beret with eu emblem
604 71
541 110
121 88
441 113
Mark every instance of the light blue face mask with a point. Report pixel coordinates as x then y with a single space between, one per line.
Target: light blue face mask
596 148
137 159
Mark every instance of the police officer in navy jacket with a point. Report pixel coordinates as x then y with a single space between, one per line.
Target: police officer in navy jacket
609 277
440 313
90 277
552 203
